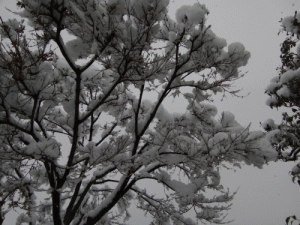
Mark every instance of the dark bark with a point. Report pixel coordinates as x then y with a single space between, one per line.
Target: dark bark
56 207
118 196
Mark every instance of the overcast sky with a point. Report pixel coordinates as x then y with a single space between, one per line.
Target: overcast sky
268 196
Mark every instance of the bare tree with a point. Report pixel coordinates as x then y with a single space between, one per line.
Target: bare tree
79 134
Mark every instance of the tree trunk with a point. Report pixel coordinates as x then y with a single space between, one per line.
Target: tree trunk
56 208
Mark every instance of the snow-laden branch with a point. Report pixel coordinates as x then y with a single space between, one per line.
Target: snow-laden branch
83 120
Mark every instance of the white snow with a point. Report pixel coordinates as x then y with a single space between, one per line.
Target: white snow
288 24
289 75
284 92
191 14
269 123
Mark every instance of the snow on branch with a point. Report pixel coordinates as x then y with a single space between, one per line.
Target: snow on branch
82 117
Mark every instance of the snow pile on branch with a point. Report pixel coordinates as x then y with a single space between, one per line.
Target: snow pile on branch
76 122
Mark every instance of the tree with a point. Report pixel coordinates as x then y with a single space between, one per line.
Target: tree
79 134
291 219
284 92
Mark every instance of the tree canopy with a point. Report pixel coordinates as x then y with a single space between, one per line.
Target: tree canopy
82 123
284 92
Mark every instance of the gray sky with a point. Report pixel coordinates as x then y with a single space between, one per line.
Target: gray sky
265 196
